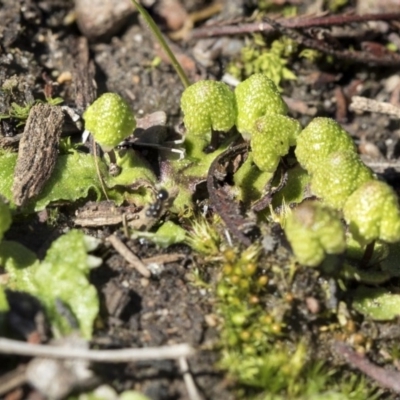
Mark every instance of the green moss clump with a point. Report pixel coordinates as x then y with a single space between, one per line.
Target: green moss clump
372 213
338 177
110 120
314 230
320 138
256 97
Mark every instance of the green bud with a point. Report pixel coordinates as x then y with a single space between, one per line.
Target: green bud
110 120
338 177
321 137
314 230
207 106
372 212
256 97
271 137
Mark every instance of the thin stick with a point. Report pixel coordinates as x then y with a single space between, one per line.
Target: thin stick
12 380
9 346
157 33
383 376
164 258
191 388
96 163
295 23
359 103
129 256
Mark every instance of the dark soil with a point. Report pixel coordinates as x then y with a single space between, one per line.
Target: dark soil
37 40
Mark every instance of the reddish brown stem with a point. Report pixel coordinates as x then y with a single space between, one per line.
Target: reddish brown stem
294 23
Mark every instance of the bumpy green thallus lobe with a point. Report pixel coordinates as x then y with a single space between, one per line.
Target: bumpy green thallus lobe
110 120
372 213
271 137
255 97
314 230
208 106
321 137
338 176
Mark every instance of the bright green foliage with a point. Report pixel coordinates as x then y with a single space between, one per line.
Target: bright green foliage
203 237
167 234
3 304
335 5
134 169
338 177
295 188
250 181
321 137
251 349
258 57
19 263
132 395
74 177
255 97
63 275
372 213
5 218
208 106
110 120
271 137
313 231
376 303
270 61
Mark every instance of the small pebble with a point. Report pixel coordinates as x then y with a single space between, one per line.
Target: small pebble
102 18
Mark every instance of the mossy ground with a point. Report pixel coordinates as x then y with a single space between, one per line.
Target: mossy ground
253 313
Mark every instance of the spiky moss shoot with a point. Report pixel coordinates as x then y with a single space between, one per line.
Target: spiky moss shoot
256 97
5 218
313 231
321 137
271 137
208 106
203 237
372 213
338 177
110 120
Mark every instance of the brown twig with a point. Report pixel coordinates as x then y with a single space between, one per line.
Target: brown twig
287 28
191 388
220 200
383 376
316 44
359 103
294 23
164 258
9 346
129 256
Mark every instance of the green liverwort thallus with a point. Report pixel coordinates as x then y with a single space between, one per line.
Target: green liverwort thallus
321 137
208 106
314 230
271 137
372 213
255 97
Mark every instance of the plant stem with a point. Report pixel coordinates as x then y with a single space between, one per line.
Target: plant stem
157 33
